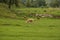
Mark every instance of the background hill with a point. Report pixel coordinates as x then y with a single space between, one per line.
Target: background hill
5 12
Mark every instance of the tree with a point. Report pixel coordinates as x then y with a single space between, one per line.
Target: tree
28 3
34 3
42 3
11 2
55 3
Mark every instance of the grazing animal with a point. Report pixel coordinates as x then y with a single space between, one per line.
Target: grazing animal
25 17
29 20
38 16
56 16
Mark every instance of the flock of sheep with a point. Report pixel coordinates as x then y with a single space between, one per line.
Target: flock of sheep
38 16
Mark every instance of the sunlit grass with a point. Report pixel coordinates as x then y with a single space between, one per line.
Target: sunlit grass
43 29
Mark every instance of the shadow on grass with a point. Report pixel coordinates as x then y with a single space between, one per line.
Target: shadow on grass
22 35
10 24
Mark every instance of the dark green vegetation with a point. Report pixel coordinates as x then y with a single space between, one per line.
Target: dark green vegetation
10 2
32 3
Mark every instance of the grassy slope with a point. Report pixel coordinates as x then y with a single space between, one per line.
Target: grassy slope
43 29
5 12
55 11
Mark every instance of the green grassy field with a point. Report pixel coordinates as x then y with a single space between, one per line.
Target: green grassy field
55 11
43 29
18 29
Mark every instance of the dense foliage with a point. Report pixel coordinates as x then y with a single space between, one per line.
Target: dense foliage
9 2
32 3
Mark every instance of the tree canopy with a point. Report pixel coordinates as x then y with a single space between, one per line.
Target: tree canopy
32 3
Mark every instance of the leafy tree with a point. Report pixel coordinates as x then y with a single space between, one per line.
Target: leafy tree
28 3
42 2
10 2
55 3
34 3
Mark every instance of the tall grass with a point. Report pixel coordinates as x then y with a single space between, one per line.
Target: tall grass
55 11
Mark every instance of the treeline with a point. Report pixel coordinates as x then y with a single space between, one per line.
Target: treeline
42 3
32 3
10 2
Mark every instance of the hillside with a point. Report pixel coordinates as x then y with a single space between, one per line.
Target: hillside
5 12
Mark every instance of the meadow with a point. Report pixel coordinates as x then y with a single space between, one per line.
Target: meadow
18 29
54 11
43 29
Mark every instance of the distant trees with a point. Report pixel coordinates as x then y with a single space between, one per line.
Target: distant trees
32 3
35 3
28 3
10 2
55 3
42 3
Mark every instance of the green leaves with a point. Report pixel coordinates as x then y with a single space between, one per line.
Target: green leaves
55 3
